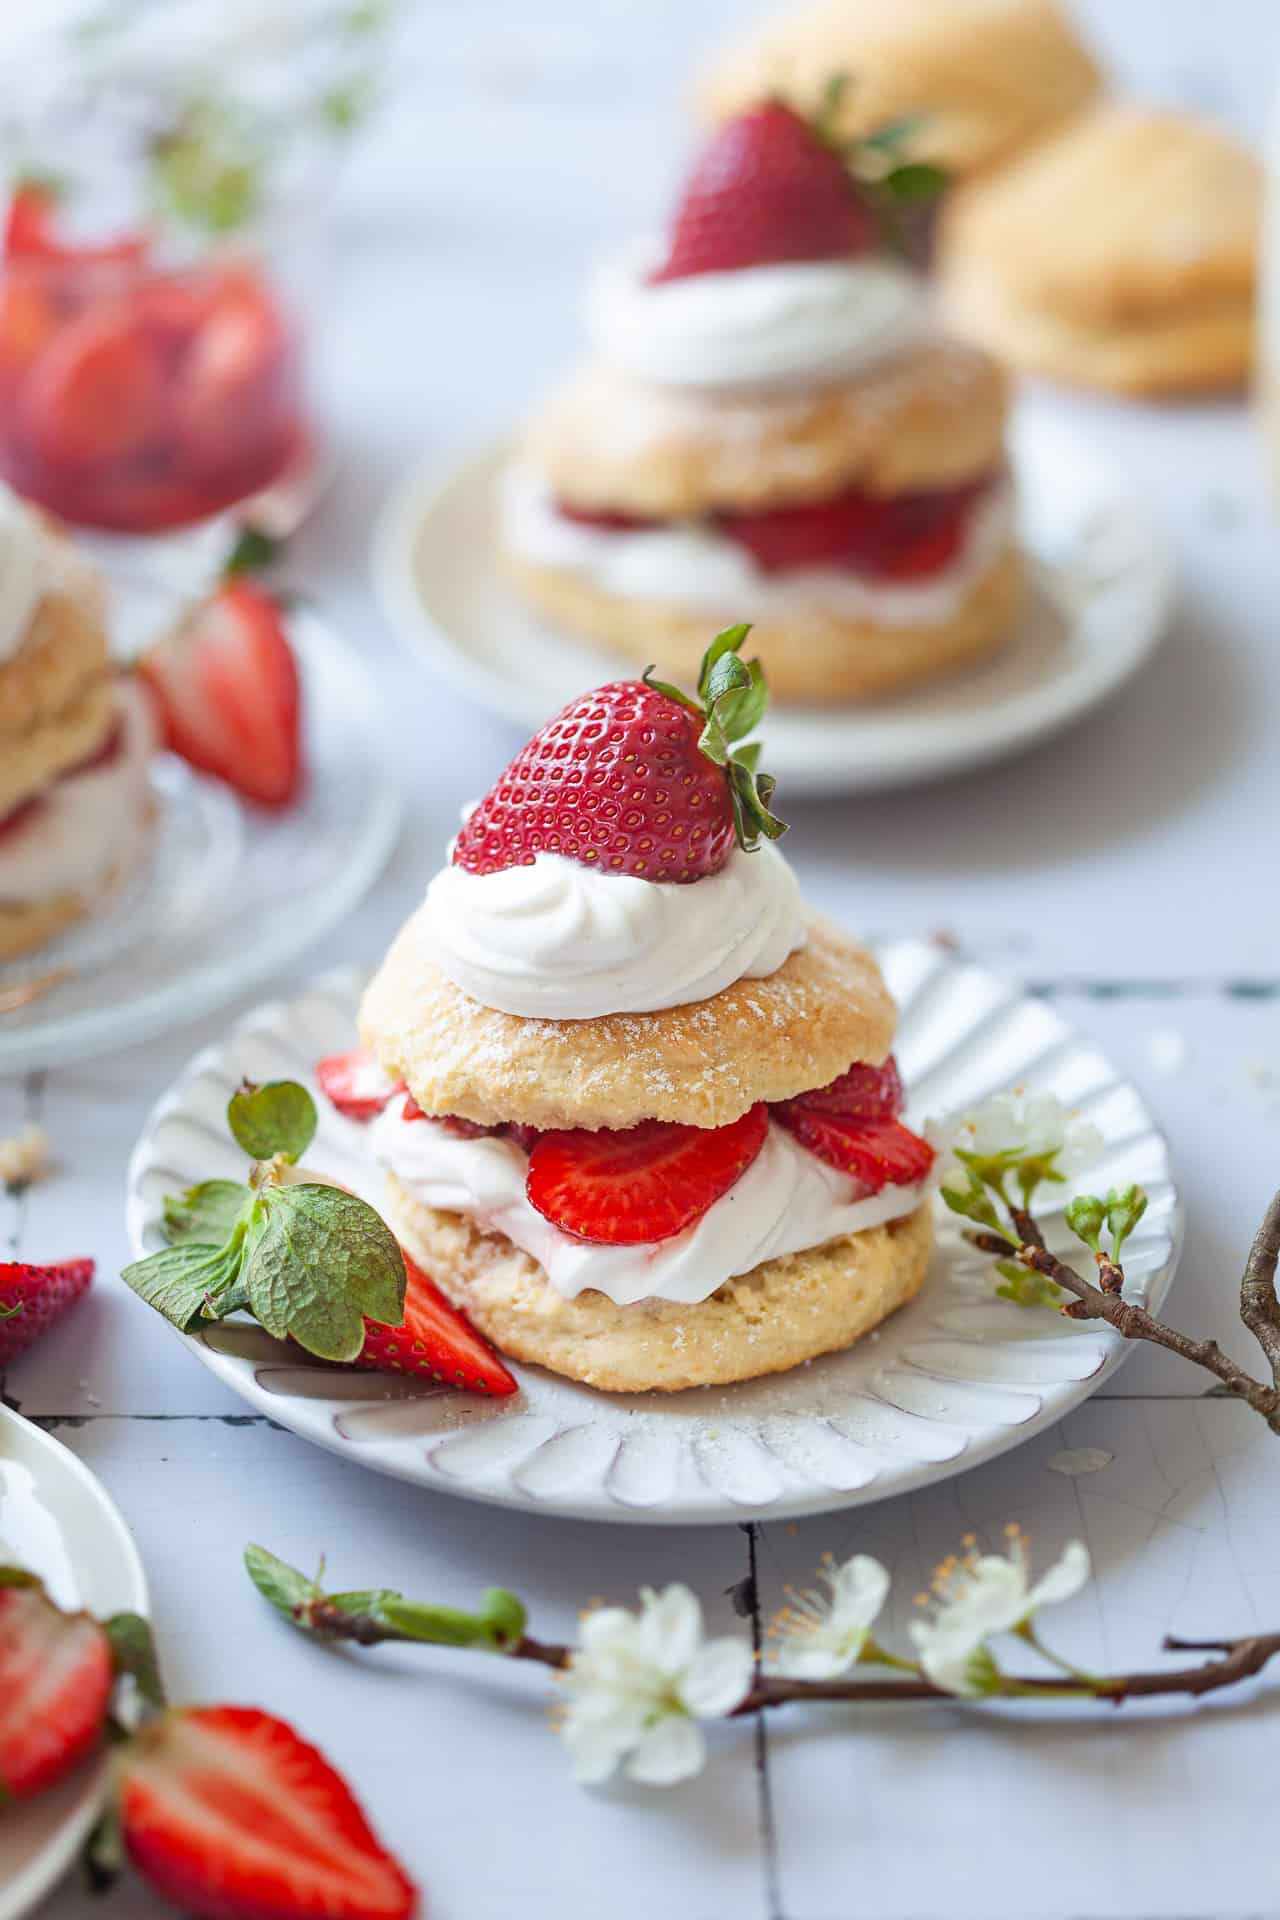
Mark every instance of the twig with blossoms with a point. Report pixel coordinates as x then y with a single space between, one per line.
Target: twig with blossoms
997 1156
639 1684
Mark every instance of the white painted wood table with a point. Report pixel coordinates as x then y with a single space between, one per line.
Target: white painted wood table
1128 872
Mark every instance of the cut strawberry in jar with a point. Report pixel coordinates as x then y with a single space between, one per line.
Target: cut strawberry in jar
97 394
30 234
234 389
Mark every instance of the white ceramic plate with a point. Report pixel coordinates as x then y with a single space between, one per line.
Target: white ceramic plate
225 895
955 1378
1101 597
56 1521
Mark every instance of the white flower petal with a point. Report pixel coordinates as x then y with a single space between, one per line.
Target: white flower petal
1064 1579
814 1656
717 1677
859 1589
671 1750
595 1747
669 1631
945 1656
607 1627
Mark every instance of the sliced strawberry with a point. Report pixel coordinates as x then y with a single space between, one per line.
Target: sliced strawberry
907 536
639 1184
29 319
861 1092
230 1816
608 522
33 1298
878 1153
235 385
434 1341
227 686
98 393
29 234
767 188
55 1688
355 1084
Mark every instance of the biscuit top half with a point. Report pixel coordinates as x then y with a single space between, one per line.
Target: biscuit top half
616 937
984 76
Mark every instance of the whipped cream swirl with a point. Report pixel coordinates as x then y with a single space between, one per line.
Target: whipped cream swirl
786 1202
557 940
791 324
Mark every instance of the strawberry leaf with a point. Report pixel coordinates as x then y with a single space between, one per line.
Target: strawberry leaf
318 1261
133 1652
278 1117
189 1283
727 642
205 1215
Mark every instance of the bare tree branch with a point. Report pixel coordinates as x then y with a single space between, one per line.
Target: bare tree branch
1259 1307
1135 1323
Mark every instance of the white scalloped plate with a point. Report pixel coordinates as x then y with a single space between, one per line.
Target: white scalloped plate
57 1521
1102 588
952 1380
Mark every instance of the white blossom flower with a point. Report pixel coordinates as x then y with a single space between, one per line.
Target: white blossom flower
1028 1125
640 1682
820 1637
982 1594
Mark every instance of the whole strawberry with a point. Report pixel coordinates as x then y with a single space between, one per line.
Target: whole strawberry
636 778
768 188
32 1298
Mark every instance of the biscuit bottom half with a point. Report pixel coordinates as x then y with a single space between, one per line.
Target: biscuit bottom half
811 654
783 1312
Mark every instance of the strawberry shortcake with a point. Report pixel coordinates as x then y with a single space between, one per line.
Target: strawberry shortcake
771 421
637 1108
75 738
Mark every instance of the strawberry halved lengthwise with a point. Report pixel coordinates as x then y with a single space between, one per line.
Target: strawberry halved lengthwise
639 1184
434 1341
355 1084
33 1298
55 1687
229 1815
227 687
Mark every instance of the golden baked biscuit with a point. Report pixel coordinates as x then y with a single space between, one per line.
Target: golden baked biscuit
985 76
63 653
30 762
929 419
702 1064
810 653
781 1313
1121 253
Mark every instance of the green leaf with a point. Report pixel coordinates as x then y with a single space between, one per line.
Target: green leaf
1125 1207
18 1577
317 1262
437 1626
189 1283
741 708
251 552
208 171
894 133
283 1585
1025 1287
505 1614
728 641
671 692
206 1215
973 1203
1084 1216
914 183
133 1652
277 1117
